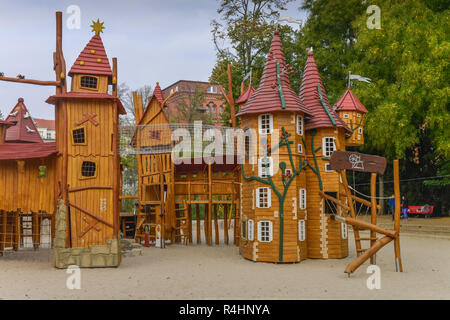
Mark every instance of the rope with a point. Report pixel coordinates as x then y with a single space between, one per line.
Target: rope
370 197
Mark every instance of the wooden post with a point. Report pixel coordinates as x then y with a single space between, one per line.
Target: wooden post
34 223
398 259
352 266
16 232
225 222
230 97
197 213
352 210
3 232
190 222
381 194
216 224
373 215
209 203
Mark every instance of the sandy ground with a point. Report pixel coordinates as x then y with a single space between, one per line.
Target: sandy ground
219 272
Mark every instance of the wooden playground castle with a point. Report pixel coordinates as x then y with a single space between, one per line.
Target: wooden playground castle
288 201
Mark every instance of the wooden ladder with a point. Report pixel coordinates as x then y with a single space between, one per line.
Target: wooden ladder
182 223
147 218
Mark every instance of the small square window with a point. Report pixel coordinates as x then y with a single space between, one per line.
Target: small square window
89 82
360 130
155 134
328 167
345 115
358 115
78 136
88 169
288 172
300 148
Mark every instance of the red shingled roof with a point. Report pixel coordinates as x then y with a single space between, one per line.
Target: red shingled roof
93 51
349 102
43 123
18 151
86 95
24 129
310 98
267 97
246 95
158 93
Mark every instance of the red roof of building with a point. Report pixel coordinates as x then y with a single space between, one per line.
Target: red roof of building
309 95
86 95
349 102
92 60
18 151
43 123
24 129
158 93
7 123
246 95
267 97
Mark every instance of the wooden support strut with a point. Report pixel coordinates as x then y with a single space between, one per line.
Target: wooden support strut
398 259
373 215
365 225
35 82
352 266
336 201
73 205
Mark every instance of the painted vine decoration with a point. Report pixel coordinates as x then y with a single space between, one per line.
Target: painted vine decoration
287 177
353 129
314 150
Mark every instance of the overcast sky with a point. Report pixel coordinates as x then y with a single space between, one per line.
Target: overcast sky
154 40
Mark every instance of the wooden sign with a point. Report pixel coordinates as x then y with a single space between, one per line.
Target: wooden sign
346 160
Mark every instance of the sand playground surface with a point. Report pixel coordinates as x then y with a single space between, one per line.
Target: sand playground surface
219 272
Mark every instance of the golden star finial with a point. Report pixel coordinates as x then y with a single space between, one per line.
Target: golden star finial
97 26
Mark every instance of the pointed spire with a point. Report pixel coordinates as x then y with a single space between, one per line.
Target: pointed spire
158 93
268 97
92 60
349 102
24 129
309 95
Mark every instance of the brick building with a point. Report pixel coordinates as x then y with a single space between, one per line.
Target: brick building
185 89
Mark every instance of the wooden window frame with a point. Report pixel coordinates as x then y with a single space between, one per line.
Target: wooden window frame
85 136
81 169
88 88
300 148
327 169
301 230
260 167
324 146
302 198
268 196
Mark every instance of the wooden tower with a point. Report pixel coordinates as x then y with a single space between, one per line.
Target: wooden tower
352 111
272 216
87 140
325 132
155 170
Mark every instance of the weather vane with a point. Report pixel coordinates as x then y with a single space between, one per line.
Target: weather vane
97 26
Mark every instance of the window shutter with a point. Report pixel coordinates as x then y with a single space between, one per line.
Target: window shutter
270 123
257 197
344 230
302 196
251 230
324 146
260 124
271 166
259 231
269 198
301 230
260 167
270 231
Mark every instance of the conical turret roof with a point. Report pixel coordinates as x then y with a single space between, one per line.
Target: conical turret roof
92 60
349 102
24 129
309 95
267 97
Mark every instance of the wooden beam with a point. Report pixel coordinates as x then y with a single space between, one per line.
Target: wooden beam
360 200
398 258
366 225
30 81
88 188
73 205
114 60
336 201
373 214
352 266
197 213
216 225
